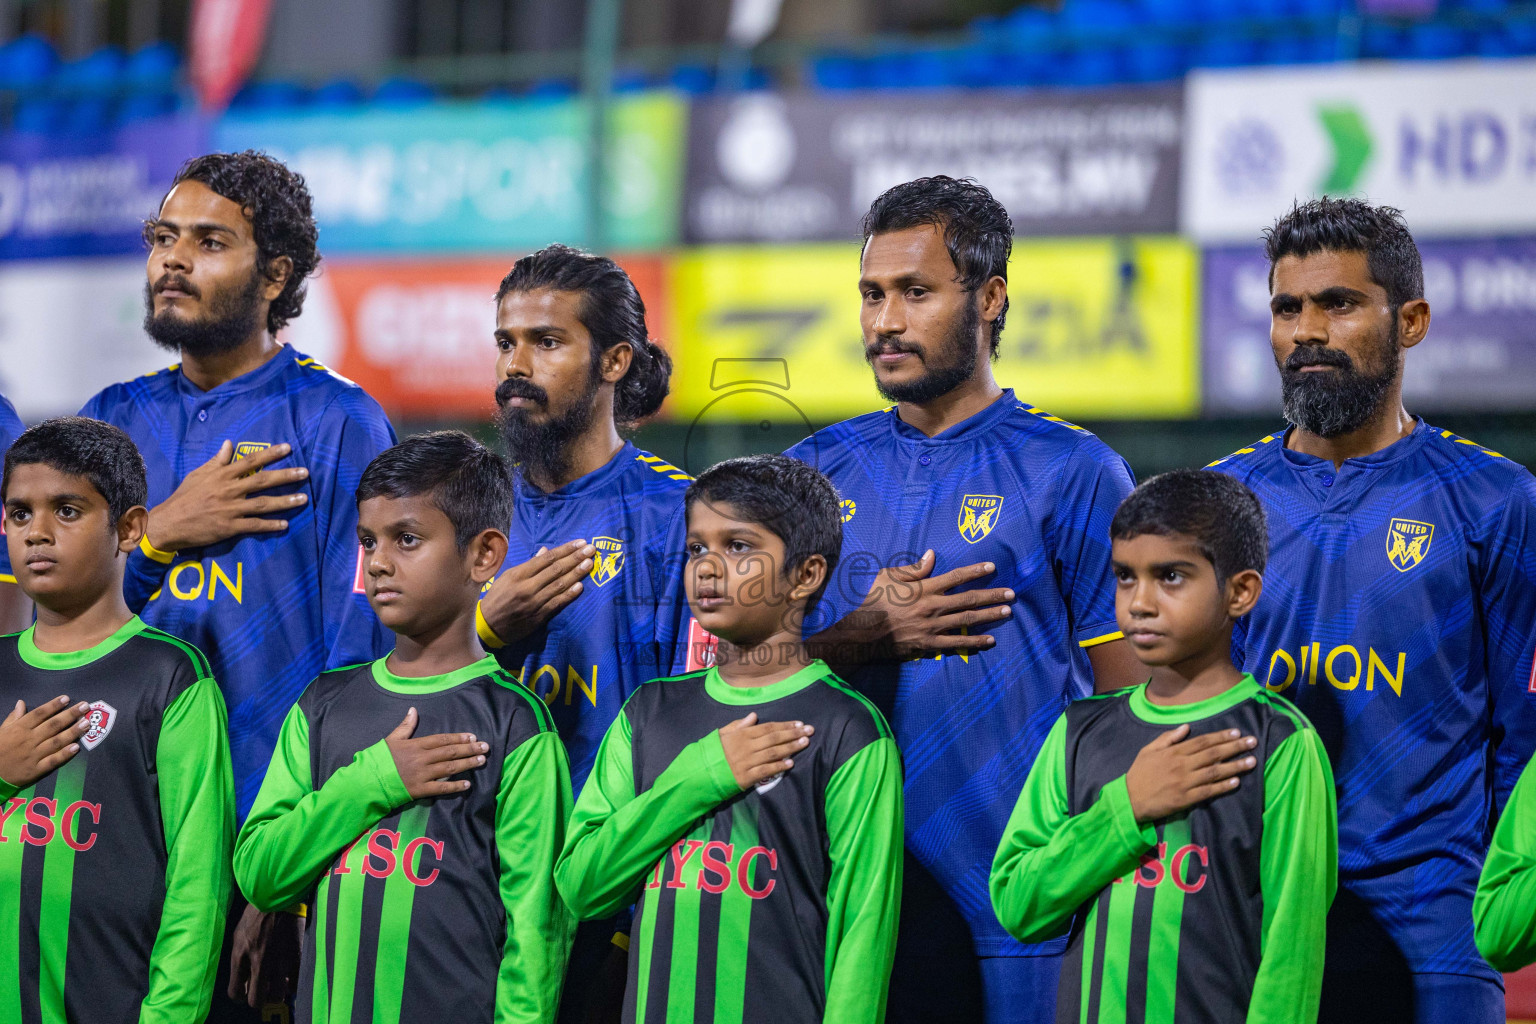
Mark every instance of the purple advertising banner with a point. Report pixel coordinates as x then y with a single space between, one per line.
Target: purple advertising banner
88 193
1480 355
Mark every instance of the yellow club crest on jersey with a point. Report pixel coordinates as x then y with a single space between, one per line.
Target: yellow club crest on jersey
1408 542
245 449
846 508
978 514
607 560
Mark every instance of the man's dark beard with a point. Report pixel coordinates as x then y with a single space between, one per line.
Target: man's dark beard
1332 403
958 350
542 450
231 320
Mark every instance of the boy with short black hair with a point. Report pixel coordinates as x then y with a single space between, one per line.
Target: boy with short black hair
118 810
754 809
1183 830
428 859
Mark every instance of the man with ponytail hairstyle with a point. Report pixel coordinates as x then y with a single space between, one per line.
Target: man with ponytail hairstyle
589 603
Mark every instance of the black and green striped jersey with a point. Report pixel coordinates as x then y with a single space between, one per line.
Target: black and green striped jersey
1213 915
114 869
439 909
775 904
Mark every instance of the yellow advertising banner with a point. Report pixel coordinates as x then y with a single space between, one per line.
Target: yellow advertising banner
1097 328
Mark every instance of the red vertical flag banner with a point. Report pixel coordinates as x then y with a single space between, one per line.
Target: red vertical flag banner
226 41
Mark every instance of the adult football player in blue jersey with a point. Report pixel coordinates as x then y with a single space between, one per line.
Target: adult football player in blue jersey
253 452
590 600
969 481
15 606
1398 613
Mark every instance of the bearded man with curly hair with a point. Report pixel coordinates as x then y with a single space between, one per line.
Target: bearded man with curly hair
253 453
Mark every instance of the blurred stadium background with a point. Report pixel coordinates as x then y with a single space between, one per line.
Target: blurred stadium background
725 149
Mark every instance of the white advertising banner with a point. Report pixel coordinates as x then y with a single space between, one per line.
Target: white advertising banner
1451 143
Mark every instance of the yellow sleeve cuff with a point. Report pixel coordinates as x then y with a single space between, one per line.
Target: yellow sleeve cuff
488 635
150 551
1094 641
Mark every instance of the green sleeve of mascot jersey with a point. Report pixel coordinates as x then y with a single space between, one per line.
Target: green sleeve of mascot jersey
294 832
1049 862
197 809
1502 918
532 805
863 809
616 837
1298 870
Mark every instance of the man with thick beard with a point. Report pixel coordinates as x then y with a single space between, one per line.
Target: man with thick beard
966 480
253 452
1398 613
590 602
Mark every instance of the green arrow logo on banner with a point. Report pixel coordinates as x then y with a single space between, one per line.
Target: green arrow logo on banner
1351 148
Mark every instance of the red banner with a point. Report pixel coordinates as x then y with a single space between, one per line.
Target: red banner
418 335
226 40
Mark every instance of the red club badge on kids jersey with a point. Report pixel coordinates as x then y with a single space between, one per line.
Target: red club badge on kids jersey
101 717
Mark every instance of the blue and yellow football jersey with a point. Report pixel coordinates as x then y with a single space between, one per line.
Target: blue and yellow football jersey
10 429
1399 613
1034 495
271 611
629 623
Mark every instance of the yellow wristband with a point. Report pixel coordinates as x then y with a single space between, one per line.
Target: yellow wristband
150 551
487 634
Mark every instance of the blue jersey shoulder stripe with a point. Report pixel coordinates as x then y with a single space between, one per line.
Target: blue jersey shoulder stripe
1266 439
666 469
1037 411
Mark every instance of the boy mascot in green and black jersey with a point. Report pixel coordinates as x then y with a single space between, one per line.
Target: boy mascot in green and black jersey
419 801
1183 830
118 809
754 809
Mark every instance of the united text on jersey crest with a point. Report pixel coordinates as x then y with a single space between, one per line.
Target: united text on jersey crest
978 515
607 559
1408 542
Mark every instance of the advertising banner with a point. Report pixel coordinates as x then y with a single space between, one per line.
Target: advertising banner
70 327
503 176
418 336
88 194
1096 327
770 168
1480 355
1452 143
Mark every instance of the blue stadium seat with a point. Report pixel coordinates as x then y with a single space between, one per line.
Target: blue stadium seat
1153 62
1382 41
1435 40
27 62
552 89
338 94
1098 15
403 92
147 104
1030 28
270 97
1089 65
934 69
693 79
630 80
1520 34
1169 12
153 64
1223 50
100 72
839 71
